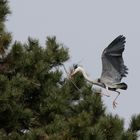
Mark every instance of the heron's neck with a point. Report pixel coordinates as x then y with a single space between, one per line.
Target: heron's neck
84 74
95 82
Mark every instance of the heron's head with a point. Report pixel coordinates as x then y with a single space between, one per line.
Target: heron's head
76 68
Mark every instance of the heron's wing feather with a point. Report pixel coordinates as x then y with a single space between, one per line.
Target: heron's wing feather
113 68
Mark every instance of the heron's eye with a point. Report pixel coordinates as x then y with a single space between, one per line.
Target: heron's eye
75 66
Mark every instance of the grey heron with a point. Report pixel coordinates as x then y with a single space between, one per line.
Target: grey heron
113 68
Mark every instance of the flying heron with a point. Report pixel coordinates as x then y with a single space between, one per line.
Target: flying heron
113 68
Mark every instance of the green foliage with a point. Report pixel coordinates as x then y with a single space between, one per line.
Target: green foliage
129 136
111 127
4 10
5 37
55 52
135 123
37 103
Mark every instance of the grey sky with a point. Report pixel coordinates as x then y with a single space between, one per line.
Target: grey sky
86 27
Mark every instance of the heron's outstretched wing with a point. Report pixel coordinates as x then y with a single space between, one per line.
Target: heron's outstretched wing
113 68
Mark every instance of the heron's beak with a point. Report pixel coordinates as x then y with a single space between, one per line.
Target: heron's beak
71 73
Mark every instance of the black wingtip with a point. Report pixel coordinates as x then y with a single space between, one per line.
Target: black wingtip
118 40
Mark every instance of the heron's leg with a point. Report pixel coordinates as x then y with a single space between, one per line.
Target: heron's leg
104 94
99 90
114 102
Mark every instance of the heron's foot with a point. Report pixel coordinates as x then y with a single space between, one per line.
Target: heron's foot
114 104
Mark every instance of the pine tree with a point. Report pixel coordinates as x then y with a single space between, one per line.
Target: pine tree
38 103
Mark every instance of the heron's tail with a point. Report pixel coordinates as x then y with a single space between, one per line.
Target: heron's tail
122 86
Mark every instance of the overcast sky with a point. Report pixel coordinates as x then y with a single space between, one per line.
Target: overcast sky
86 27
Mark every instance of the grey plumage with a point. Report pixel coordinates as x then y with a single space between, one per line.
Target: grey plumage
113 68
